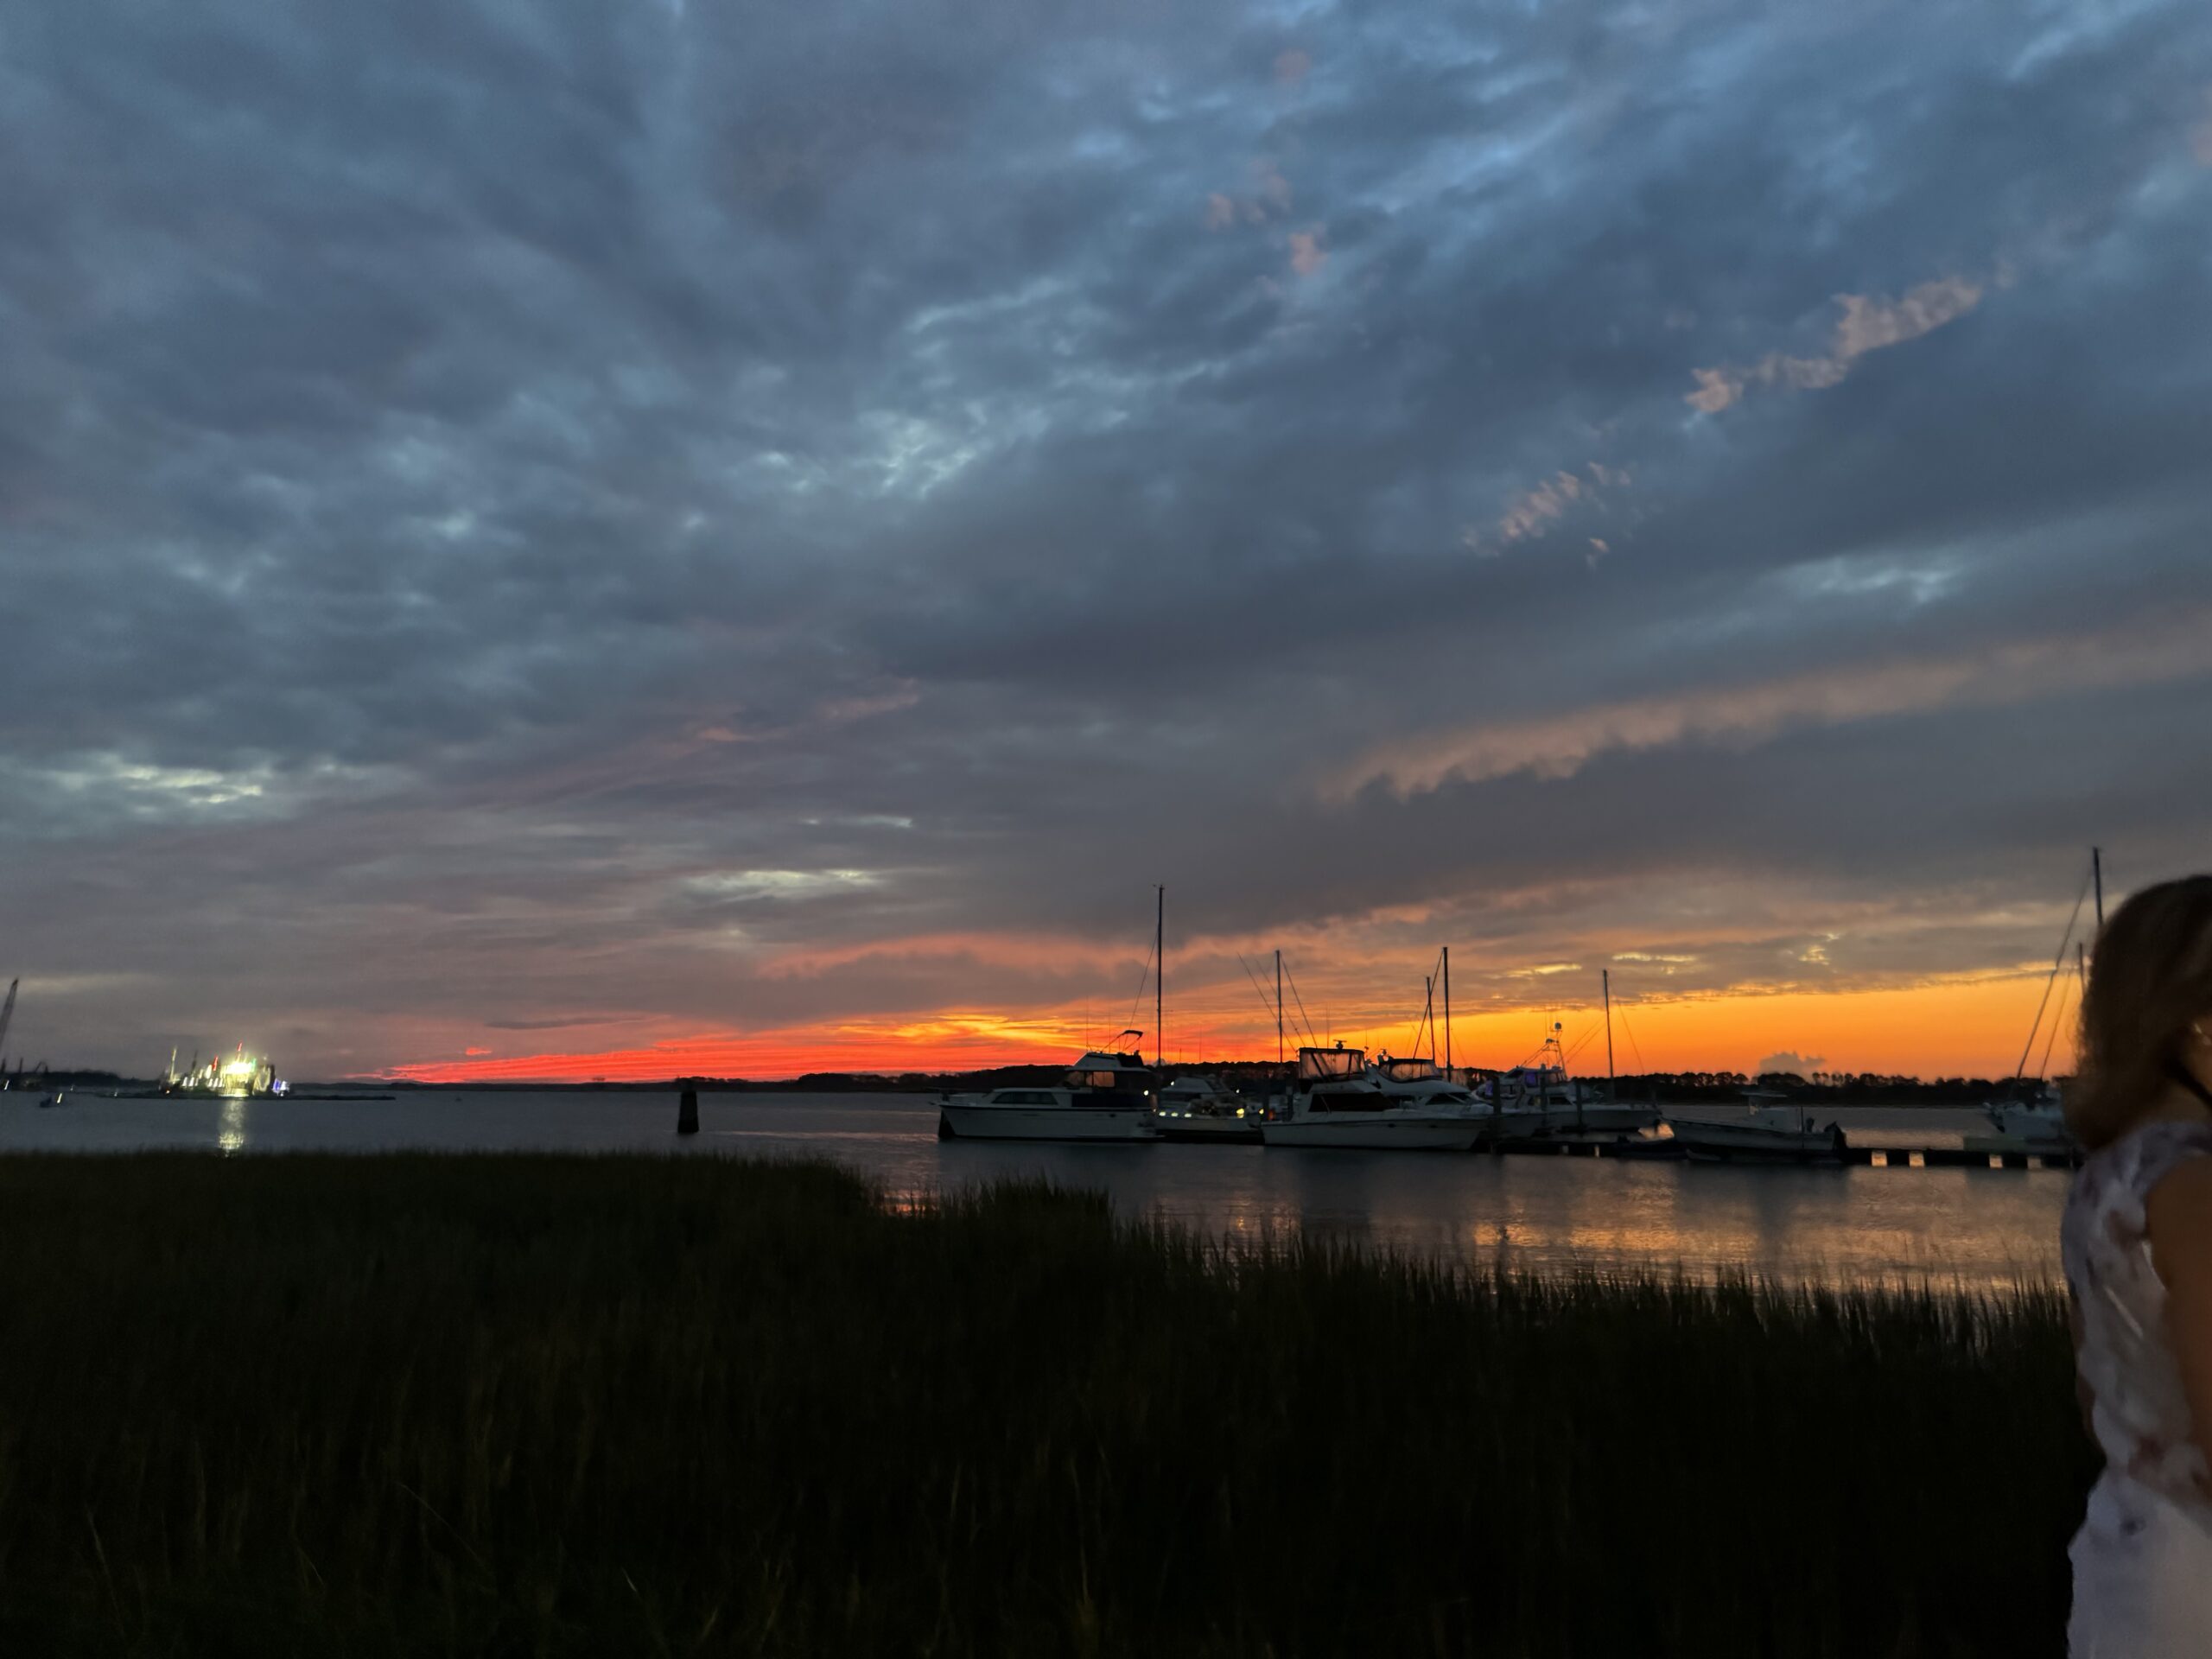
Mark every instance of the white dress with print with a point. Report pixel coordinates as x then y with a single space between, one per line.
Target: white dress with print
2143 1559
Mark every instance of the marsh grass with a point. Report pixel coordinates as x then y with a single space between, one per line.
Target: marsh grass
565 1405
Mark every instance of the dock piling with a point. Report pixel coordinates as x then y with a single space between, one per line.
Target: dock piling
687 1111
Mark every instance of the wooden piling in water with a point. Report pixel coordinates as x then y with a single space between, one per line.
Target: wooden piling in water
687 1111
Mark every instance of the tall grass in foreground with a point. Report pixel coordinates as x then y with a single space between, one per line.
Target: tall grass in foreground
519 1405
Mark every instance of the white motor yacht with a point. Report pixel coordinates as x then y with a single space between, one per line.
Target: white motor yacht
1772 1129
1340 1102
1104 1097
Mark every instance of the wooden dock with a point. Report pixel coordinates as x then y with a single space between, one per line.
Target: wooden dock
1978 1152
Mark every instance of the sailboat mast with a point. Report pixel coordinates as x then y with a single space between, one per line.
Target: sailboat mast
2097 875
1447 1011
1605 975
1278 1007
1159 976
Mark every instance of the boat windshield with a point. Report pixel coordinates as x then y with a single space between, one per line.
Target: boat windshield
1319 1065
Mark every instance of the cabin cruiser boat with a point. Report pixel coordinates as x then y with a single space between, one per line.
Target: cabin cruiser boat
1104 1097
1772 1129
1339 1100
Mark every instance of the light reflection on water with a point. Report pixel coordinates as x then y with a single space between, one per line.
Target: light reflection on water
1981 1228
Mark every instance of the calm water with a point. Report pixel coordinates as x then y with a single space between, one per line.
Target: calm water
1981 1228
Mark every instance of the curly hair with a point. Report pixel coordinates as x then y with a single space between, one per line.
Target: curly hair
2150 980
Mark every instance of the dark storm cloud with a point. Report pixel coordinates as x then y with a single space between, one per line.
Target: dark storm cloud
516 508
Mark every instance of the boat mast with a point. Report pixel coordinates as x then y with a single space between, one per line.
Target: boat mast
1159 976
1605 976
2097 875
7 1018
1447 1011
1278 1007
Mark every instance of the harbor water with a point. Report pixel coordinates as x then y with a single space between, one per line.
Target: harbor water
1955 1227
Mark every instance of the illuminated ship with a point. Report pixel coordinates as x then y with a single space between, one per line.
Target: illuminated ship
240 1076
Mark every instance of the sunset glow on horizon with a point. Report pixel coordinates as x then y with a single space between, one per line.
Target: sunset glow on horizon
1970 1027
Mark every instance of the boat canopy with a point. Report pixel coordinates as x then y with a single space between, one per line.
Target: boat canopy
1322 1064
1410 1071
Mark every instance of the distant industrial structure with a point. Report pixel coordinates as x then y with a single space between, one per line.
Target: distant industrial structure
242 1074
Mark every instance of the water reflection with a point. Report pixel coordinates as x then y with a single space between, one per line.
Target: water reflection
1980 1228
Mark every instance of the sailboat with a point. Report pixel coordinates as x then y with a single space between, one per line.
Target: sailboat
2030 1116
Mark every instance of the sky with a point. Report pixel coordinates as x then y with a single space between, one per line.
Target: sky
633 539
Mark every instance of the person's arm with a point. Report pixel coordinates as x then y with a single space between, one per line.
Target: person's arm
2179 1210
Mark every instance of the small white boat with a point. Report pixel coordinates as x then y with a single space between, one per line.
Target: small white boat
1772 1129
1104 1097
1340 1102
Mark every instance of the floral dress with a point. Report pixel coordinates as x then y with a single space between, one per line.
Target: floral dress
2143 1559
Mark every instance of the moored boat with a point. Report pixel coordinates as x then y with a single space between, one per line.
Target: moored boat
1339 1102
1200 1110
1104 1097
1772 1128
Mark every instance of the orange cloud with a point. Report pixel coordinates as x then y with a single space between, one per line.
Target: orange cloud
1559 745
1868 325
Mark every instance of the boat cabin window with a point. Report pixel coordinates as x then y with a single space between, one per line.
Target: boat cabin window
1121 1081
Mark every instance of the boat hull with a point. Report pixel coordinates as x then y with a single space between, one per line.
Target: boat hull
1358 1132
1210 1131
1746 1143
957 1122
